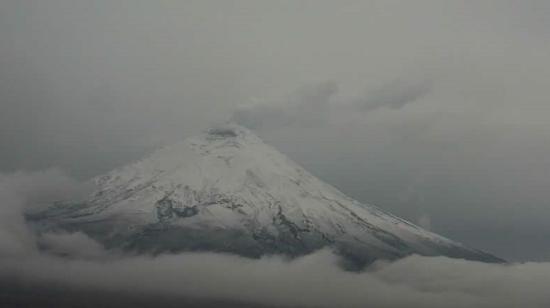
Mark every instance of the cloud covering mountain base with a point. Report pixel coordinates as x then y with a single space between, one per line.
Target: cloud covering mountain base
314 280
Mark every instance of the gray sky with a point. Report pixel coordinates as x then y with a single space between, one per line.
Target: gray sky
437 111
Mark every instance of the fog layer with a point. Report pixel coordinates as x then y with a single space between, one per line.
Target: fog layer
78 262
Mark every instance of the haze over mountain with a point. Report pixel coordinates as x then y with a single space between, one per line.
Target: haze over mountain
228 191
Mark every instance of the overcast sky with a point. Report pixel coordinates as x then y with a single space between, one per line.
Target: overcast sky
437 111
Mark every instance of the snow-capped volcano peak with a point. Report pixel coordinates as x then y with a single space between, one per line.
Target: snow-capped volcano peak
226 190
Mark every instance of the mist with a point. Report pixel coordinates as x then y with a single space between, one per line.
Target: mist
79 265
434 111
311 281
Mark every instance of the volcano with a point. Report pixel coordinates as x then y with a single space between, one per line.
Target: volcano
227 191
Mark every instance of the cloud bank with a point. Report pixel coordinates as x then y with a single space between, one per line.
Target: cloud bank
310 281
77 262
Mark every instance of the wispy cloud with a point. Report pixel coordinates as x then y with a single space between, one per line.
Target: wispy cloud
314 105
394 95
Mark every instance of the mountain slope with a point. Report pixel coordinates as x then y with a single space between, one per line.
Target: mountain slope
228 191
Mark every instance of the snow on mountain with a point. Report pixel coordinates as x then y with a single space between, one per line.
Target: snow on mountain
228 191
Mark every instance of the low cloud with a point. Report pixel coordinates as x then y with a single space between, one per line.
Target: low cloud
22 192
314 280
311 281
76 245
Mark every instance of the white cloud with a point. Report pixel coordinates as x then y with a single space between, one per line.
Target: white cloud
21 192
75 245
313 281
